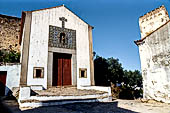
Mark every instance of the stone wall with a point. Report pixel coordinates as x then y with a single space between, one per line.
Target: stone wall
9 32
155 63
153 20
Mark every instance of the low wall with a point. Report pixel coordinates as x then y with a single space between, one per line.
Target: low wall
13 75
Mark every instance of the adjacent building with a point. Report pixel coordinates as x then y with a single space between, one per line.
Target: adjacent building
154 49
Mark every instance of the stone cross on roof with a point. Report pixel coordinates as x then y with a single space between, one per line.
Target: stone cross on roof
63 21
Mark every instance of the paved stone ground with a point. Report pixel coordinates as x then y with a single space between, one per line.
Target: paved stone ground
66 91
117 106
147 107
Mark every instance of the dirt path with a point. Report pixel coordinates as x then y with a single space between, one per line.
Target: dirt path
117 106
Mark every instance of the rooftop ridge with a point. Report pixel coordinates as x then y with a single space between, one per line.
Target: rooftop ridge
45 8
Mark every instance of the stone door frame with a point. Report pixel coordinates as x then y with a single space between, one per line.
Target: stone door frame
51 50
61 69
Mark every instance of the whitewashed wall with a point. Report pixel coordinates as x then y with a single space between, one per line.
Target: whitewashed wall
38 51
13 76
155 64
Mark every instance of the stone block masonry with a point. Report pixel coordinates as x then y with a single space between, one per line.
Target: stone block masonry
9 32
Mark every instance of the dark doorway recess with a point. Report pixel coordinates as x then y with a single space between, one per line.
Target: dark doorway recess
3 75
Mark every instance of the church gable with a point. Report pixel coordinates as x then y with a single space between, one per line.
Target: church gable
63 9
60 34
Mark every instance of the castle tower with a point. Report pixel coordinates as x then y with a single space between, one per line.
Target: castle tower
154 53
152 21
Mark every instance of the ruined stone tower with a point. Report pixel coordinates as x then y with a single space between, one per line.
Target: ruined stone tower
154 49
152 21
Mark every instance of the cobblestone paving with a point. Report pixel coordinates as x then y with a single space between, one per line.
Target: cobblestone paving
67 91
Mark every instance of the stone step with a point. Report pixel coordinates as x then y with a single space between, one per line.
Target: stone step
66 97
68 91
60 100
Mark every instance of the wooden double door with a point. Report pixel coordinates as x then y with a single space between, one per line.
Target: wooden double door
61 69
3 75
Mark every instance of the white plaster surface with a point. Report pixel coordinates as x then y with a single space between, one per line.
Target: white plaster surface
13 76
155 64
36 87
24 93
38 50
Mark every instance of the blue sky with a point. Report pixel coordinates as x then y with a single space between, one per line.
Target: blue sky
115 22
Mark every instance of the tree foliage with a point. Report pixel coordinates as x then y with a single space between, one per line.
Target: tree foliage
10 56
115 70
132 79
101 71
110 71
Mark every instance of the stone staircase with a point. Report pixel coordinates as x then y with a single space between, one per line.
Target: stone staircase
60 96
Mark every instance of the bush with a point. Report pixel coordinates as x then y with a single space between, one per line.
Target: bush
9 56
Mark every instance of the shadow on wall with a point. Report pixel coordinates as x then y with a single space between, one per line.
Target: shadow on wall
4 90
11 106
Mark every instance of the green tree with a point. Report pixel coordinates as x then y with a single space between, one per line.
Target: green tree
107 71
115 71
9 56
110 71
101 71
132 79
131 85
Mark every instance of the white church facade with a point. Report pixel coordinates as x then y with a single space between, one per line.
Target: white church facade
56 55
56 50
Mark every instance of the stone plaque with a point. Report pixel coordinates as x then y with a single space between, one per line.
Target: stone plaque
62 37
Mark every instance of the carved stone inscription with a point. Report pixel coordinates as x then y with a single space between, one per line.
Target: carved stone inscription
62 37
